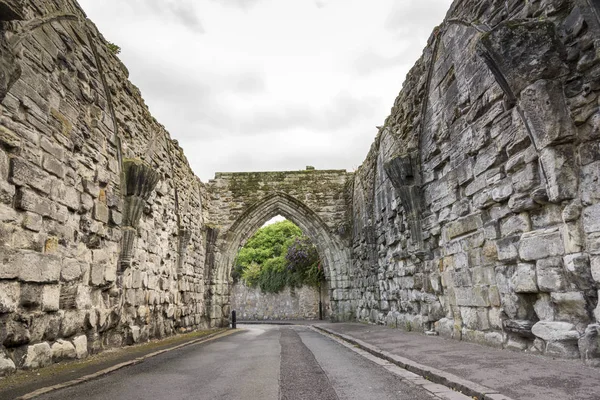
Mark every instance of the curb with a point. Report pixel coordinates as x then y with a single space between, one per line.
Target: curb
432 374
116 367
284 323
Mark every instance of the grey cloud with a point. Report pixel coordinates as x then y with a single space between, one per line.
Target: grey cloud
369 62
408 16
250 83
179 11
341 112
199 100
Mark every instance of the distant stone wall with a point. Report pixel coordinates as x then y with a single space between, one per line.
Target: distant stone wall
302 303
477 210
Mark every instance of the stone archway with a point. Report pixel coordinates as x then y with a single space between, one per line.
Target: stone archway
334 253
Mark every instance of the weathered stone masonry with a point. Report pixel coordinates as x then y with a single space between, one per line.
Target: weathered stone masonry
476 214
101 239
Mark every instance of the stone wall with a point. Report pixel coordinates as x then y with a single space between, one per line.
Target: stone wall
101 218
476 212
251 304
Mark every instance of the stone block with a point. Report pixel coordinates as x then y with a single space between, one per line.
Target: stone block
574 239
520 202
463 226
524 279
87 202
515 224
66 195
508 248
521 328
570 306
4 165
7 193
7 366
445 327
476 296
563 350
72 270
101 212
561 172
485 160
14 332
541 244
546 111
7 214
550 275
26 174
591 219
116 218
595 268
32 221
53 166
31 295
97 274
72 322
34 267
589 345
526 179
502 191
50 298
10 293
63 349
555 331
37 356
544 308
578 271
91 188
590 181
30 201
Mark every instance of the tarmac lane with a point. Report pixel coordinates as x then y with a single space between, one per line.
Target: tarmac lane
261 362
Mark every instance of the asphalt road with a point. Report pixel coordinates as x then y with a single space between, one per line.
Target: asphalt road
262 362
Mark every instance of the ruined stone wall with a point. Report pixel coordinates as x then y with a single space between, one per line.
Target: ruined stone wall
101 217
251 304
477 209
475 215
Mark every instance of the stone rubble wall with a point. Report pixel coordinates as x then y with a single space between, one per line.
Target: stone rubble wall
477 212
301 303
69 122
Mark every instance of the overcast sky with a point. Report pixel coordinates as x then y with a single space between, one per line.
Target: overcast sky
263 85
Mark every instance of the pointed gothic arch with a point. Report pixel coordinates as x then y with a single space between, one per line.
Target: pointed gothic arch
334 254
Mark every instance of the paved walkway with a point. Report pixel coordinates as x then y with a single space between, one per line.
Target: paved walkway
475 369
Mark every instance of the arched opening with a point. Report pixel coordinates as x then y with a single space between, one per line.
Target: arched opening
334 254
278 275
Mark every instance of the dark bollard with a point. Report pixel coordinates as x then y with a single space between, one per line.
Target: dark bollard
233 322
320 311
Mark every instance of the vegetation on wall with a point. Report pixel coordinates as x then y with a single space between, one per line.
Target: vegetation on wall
276 256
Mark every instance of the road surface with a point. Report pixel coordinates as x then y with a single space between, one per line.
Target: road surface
261 362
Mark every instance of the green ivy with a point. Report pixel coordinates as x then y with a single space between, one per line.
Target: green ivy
276 256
